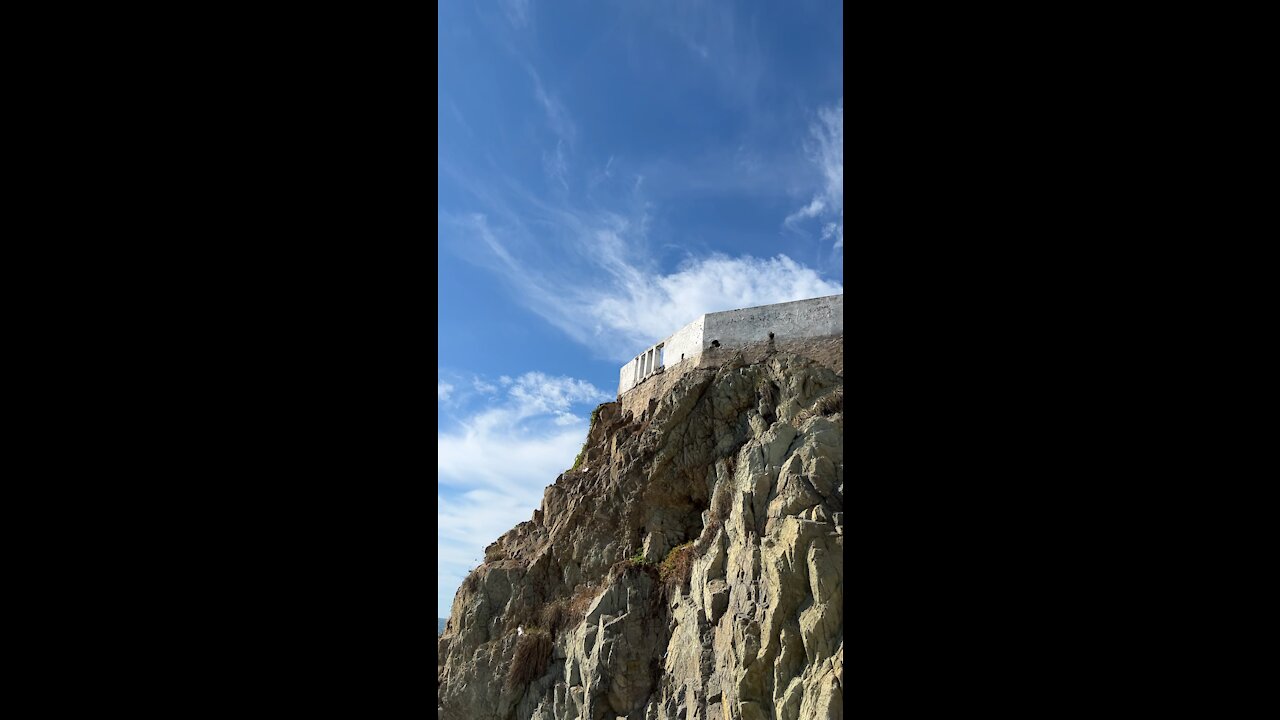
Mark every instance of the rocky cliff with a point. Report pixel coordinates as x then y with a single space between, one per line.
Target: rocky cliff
689 567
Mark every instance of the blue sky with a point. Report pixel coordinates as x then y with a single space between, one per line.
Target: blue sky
608 171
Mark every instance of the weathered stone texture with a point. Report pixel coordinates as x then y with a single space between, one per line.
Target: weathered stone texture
742 457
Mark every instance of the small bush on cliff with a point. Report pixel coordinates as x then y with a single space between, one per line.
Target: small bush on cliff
675 569
635 563
595 415
533 651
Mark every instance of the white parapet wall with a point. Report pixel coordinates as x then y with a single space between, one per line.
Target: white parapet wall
817 317
787 321
685 343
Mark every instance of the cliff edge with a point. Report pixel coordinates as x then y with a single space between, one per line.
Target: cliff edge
690 566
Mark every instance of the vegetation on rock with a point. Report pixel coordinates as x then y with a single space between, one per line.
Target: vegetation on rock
533 650
733 481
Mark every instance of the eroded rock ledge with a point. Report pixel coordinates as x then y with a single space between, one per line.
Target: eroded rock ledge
691 567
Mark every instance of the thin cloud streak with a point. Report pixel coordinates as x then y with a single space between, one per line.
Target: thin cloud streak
558 118
626 304
825 148
517 12
726 44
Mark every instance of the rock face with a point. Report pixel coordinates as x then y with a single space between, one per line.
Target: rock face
694 570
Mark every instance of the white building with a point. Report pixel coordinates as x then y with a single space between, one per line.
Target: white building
817 317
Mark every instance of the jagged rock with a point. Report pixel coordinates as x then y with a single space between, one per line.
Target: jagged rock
745 461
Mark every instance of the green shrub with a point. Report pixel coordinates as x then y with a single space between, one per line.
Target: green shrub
677 566
595 415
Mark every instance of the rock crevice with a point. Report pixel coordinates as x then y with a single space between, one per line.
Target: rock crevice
691 568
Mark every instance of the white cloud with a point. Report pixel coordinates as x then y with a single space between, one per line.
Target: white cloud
648 307
829 153
825 148
443 389
483 387
493 467
535 393
618 304
813 209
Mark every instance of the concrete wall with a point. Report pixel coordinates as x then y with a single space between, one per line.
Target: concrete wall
685 343
817 317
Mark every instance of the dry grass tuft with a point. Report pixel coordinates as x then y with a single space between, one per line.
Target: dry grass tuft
533 652
578 604
829 404
554 617
731 463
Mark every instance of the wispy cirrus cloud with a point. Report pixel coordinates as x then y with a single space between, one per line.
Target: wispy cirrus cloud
443 391
722 40
825 149
493 465
558 118
555 160
517 12
556 166
625 303
604 288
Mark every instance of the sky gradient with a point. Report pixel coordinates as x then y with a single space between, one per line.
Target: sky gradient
607 172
